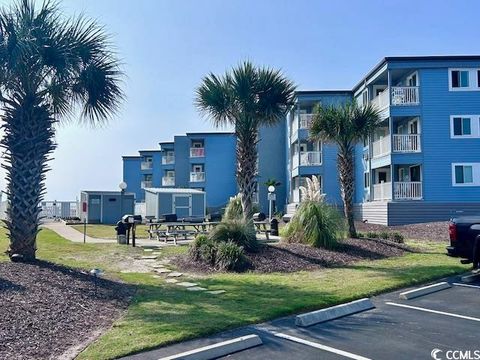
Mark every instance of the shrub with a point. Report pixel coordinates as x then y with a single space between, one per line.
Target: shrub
360 235
316 224
234 210
372 235
237 231
397 237
203 249
230 256
384 235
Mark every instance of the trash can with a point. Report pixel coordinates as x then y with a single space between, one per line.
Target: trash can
121 230
274 227
259 216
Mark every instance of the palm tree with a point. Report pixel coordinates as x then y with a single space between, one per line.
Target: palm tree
246 97
345 126
50 66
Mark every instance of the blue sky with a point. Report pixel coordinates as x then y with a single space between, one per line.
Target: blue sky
167 46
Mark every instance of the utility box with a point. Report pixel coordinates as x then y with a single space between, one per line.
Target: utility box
185 203
105 207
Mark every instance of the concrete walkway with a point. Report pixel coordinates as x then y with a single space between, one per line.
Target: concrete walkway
73 235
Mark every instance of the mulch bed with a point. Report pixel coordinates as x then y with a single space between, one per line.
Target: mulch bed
434 231
285 257
49 311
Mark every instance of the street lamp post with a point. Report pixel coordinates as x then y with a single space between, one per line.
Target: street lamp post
122 186
271 199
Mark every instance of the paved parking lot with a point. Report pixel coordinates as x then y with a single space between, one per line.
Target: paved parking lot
395 329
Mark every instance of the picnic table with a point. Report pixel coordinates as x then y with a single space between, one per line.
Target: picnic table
179 228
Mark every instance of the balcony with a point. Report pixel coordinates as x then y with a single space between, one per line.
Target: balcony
381 147
168 159
306 121
408 190
400 96
146 165
409 143
403 190
197 152
168 181
197 176
310 158
146 184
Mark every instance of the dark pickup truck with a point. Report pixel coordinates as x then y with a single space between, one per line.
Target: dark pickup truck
465 238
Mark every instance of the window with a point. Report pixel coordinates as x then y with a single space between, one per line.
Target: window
365 97
466 174
366 180
463 174
464 79
464 126
460 78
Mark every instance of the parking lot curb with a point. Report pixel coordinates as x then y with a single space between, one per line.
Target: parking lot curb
219 349
333 312
470 278
407 295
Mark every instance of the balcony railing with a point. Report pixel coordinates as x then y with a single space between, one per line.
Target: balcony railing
168 159
309 158
168 181
146 184
146 165
401 96
197 176
406 143
408 190
382 191
306 121
405 95
197 152
381 147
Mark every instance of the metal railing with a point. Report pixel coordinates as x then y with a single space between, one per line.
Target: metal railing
168 181
381 147
146 184
408 190
197 152
197 176
146 165
308 158
168 159
406 143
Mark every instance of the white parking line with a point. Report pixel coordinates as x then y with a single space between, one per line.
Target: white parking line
466 285
434 311
319 346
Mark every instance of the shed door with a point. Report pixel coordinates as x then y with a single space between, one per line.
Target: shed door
94 209
182 205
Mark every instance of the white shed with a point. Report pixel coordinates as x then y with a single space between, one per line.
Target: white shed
182 202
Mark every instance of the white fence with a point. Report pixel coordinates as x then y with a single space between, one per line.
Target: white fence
381 147
406 143
408 190
382 191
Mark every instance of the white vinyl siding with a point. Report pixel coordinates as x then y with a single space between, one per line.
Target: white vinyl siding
466 174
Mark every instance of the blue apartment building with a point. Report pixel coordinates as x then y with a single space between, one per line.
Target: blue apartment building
422 164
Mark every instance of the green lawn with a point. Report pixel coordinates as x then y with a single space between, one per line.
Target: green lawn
108 231
162 313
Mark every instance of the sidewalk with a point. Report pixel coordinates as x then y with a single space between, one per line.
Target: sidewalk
73 235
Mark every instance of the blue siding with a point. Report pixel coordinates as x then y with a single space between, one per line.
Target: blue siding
133 176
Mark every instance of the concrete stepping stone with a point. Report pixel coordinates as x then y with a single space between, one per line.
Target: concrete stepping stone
186 284
175 274
157 277
148 250
158 266
163 271
149 257
216 292
196 288
171 281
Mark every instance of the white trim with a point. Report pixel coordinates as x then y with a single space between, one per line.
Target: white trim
472 79
475 174
415 73
174 207
474 127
